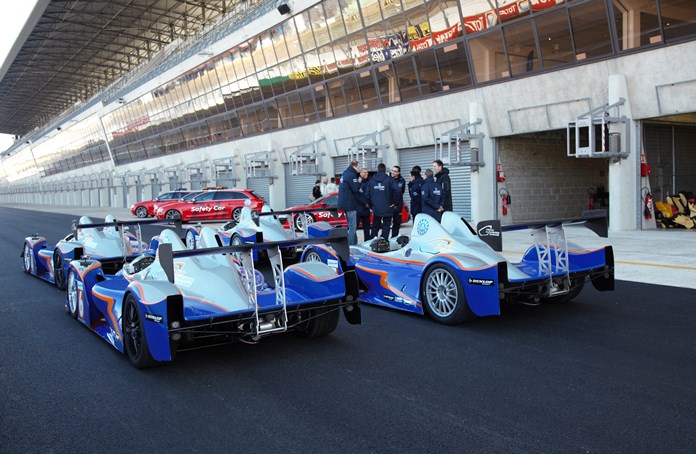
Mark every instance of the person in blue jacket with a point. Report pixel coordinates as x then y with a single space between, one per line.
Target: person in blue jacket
414 190
349 199
379 193
364 208
433 198
397 199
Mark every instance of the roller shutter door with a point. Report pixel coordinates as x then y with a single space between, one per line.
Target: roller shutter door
460 176
260 187
340 164
297 187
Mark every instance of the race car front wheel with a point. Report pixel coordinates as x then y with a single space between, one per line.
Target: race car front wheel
58 272
134 339
190 240
312 256
443 296
26 258
74 295
141 212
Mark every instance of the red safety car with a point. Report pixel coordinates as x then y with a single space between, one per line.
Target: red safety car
211 205
145 208
329 201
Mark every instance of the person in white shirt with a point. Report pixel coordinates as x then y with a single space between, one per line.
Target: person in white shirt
331 187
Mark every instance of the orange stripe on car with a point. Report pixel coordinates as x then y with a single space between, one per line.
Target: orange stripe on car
110 302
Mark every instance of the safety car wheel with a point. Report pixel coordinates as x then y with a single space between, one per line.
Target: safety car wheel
443 296
58 272
312 256
302 221
190 240
134 339
141 212
320 322
172 214
576 286
26 258
236 215
74 295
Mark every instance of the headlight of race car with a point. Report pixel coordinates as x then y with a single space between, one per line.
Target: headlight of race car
132 206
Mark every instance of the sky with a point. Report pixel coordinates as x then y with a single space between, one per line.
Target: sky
12 20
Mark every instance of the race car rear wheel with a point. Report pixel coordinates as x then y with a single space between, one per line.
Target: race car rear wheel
58 272
443 296
134 339
172 214
320 322
26 258
236 216
141 212
190 240
74 295
303 220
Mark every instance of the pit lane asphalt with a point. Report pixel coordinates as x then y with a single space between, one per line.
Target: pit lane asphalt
610 372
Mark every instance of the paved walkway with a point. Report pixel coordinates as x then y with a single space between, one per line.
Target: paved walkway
662 257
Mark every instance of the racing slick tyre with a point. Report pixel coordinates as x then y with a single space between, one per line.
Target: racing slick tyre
312 256
141 212
58 272
236 215
190 240
74 295
302 221
134 339
320 322
172 214
26 258
443 296
576 286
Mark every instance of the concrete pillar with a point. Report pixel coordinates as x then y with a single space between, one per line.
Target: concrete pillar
483 199
624 190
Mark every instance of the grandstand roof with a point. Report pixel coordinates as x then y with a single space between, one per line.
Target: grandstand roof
78 48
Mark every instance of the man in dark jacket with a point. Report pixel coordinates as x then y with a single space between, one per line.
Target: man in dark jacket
348 199
379 193
442 177
397 199
432 196
414 190
364 208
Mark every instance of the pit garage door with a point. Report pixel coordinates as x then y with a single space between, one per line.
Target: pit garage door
260 187
460 176
669 151
340 164
297 187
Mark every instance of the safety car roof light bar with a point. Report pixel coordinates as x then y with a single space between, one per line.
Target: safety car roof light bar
451 147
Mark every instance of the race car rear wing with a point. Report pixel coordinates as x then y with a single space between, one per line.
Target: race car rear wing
75 227
337 238
491 231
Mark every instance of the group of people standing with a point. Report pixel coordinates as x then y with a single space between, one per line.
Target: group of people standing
323 187
382 195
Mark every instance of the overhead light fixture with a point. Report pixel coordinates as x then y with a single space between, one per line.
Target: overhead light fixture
59 128
284 8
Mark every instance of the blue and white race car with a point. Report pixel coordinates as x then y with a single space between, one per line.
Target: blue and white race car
110 242
447 271
182 299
